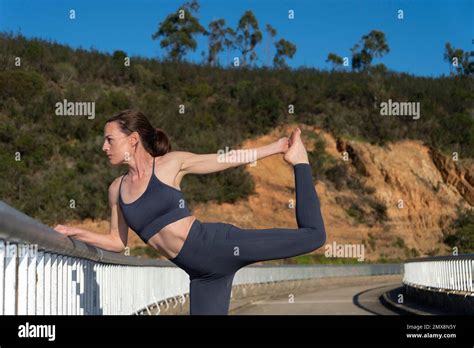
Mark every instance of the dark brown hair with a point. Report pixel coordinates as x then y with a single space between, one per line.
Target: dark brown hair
155 141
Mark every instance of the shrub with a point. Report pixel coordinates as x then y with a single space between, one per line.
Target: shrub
461 231
21 85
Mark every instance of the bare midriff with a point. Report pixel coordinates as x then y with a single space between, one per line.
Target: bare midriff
170 239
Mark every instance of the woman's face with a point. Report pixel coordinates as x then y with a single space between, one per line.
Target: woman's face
116 144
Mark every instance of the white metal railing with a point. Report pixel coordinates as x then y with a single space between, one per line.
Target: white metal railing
442 273
46 273
45 283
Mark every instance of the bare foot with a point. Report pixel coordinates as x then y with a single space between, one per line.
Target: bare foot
296 152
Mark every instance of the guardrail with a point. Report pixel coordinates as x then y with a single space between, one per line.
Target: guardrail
452 274
44 272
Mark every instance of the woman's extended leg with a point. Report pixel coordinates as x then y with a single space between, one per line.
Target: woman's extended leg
253 245
232 247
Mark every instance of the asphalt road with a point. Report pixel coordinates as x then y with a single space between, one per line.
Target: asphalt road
347 299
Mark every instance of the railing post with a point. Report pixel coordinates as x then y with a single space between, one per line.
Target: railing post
10 304
22 290
87 288
471 269
95 302
80 299
39 305
51 284
2 276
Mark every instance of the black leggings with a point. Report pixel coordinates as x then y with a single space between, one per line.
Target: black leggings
214 251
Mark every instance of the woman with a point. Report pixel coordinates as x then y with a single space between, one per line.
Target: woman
148 199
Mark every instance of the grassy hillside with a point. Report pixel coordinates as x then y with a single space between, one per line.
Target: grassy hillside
61 158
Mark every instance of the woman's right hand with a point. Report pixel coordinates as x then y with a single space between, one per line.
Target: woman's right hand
65 230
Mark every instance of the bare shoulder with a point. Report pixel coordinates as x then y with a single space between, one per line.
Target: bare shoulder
173 160
114 190
176 155
169 167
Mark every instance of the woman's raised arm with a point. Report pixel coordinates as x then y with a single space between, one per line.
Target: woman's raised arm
192 163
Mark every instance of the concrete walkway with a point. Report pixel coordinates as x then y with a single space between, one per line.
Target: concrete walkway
340 299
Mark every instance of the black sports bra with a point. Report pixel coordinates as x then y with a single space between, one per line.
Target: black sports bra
157 207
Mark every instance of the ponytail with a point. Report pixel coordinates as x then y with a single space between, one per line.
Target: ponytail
161 143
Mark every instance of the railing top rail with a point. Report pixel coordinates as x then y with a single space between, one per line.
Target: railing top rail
442 258
18 227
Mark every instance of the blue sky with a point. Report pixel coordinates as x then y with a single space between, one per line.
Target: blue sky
319 27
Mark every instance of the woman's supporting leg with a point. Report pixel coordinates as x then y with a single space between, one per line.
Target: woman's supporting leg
254 245
210 296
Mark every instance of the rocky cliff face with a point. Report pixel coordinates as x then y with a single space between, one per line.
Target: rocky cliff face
460 176
421 189
417 187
